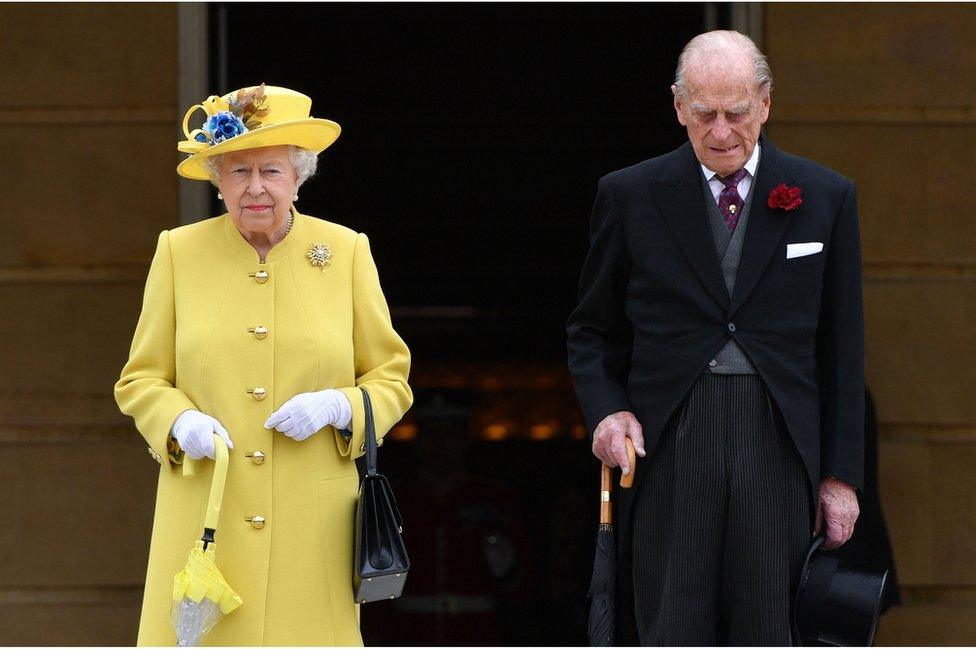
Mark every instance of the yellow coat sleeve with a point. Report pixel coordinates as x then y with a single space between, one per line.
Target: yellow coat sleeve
146 389
382 359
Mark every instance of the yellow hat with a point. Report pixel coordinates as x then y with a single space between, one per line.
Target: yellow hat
250 118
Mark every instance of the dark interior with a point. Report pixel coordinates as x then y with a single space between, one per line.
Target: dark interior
473 138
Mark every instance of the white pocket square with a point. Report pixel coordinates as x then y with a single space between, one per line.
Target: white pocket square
803 249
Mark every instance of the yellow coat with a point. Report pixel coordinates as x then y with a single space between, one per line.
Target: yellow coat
192 349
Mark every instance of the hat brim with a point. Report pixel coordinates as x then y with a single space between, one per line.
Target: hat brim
836 605
314 134
815 545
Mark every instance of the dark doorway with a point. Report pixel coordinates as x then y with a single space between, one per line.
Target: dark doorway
473 138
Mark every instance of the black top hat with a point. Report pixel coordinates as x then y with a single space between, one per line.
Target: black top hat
836 604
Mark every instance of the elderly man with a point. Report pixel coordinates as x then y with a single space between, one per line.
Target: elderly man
720 328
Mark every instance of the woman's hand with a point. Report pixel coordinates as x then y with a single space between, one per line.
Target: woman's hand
194 431
306 414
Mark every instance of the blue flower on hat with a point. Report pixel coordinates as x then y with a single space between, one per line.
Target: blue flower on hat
223 126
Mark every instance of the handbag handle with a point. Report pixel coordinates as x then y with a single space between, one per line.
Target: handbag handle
370 435
371 470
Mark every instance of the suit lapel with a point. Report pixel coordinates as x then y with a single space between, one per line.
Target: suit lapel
766 226
679 195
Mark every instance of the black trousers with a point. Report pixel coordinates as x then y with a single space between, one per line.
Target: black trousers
721 522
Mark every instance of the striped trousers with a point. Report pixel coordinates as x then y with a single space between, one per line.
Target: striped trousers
721 522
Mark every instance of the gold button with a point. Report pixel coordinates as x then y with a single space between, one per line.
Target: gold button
260 277
260 332
258 393
257 457
257 521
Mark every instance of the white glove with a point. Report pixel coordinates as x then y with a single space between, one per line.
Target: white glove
194 431
306 414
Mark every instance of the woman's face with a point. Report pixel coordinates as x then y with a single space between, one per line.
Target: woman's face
258 186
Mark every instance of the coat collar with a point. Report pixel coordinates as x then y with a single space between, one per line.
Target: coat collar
679 192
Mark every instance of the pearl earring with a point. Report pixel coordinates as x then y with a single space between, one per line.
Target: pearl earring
220 196
295 197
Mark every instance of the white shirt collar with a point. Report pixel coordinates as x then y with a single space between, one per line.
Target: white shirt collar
750 165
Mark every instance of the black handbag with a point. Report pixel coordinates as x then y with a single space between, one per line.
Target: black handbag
381 563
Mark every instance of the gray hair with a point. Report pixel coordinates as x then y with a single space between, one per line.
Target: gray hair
303 161
718 45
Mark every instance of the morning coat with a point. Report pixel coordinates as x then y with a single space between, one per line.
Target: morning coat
654 309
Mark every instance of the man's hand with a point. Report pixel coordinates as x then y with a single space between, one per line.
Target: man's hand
838 506
608 439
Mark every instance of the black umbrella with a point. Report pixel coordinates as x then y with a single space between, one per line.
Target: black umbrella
603 585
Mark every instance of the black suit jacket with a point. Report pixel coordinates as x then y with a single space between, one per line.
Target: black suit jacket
653 307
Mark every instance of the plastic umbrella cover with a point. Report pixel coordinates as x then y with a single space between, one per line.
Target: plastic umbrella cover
193 620
201 597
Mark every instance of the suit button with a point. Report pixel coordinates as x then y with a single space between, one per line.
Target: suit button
260 277
712 363
731 327
257 521
258 393
260 332
156 456
257 457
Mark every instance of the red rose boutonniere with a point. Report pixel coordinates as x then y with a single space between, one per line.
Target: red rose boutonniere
785 198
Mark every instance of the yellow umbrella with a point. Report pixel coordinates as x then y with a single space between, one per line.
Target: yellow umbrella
201 595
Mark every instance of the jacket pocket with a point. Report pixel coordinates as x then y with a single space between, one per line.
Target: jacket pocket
805 263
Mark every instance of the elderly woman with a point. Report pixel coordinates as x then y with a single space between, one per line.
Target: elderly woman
261 325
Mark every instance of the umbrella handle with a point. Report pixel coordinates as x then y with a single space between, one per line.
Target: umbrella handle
606 487
627 481
606 484
217 485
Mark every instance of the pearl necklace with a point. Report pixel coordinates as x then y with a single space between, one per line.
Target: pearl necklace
291 218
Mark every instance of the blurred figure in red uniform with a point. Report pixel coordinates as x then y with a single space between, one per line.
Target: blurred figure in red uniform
465 535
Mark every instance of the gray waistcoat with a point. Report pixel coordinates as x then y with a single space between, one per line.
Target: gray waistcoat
730 359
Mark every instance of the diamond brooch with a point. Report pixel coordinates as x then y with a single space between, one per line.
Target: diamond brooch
320 255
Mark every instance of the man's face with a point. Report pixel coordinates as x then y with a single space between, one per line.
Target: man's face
723 114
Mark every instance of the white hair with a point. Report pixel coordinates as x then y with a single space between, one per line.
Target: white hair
722 45
303 161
